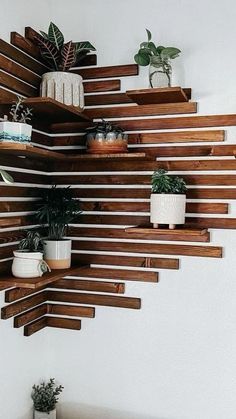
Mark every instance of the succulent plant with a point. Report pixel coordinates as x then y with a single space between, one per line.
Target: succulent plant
105 127
60 56
20 113
32 242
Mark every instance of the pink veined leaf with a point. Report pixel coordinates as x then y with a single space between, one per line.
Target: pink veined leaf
68 56
48 51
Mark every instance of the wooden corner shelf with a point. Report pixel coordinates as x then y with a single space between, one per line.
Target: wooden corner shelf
114 156
35 283
159 95
181 233
51 111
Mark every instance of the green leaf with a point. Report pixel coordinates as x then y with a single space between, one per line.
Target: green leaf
152 47
170 52
142 58
159 49
84 45
6 177
68 56
55 35
149 35
48 51
44 34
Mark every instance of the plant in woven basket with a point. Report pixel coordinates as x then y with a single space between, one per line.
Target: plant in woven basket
165 184
45 396
33 242
58 55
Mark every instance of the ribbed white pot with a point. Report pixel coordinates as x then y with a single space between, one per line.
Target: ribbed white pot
167 209
42 415
27 264
63 87
57 254
15 132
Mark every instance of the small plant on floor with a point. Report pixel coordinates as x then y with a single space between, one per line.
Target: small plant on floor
158 57
45 396
58 55
33 242
20 113
165 184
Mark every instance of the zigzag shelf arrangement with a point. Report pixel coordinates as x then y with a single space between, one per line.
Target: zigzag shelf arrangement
103 262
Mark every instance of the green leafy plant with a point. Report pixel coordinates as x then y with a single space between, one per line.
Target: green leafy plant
56 210
45 396
60 56
165 184
105 127
6 177
158 56
32 242
20 113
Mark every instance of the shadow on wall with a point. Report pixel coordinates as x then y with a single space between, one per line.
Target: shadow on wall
81 411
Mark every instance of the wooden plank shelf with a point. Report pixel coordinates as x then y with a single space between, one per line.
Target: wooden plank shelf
158 95
179 231
35 283
112 156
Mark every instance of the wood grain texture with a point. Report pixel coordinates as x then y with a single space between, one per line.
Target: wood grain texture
27 46
101 86
167 249
17 70
63 323
25 304
71 310
30 315
109 71
95 299
35 326
18 86
107 99
142 110
222 223
86 285
158 95
137 261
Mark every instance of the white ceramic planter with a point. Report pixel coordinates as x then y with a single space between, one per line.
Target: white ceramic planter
27 264
15 132
63 87
167 209
42 415
57 254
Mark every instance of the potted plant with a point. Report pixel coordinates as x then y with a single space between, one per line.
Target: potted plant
57 209
28 259
6 177
59 56
168 199
45 399
16 129
158 58
106 138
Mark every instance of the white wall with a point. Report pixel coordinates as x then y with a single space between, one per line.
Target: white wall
176 358
22 360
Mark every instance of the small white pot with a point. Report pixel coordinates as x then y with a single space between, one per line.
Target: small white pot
27 264
57 253
43 415
167 209
15 132
63 87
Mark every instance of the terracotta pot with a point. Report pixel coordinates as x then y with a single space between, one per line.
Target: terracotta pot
106 145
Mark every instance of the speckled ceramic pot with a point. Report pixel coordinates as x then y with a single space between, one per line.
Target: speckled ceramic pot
63 87
167 209
42 415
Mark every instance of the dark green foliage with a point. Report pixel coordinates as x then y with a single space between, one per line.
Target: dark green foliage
162 183
56 210
104 127
149 49
59 55
32 242
45 396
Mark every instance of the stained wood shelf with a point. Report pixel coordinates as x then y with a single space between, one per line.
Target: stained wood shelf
113 156
51 111
165 231
35 283
158 95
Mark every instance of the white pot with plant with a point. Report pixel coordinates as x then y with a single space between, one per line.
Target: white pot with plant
159 60
16 129
168 199
57 209
59 83
106 138
28 259
45 399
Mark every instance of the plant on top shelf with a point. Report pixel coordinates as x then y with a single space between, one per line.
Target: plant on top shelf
28 259
106 138
158 58
16 129
168 199
56 210
45 399
60 56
